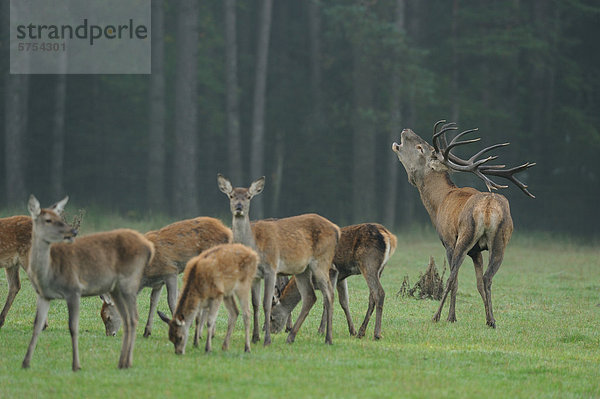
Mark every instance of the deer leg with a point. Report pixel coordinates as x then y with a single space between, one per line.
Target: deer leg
455 260
496 256
342 289
201 317
233 315
333 276
73 307
321 275
129 316
154 297
370 274
213 308
40 317
270 278
452 309
256 309
14 285
308 300
478 264
243 296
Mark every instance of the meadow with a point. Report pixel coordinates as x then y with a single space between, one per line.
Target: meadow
546 344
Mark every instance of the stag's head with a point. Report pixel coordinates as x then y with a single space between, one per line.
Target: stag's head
420 158
239 198
48 223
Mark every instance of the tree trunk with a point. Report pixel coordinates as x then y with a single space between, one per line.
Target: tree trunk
234 145
156 142
316 74
186 103
16 99
363 182
455 67
258 114
389 217
58 138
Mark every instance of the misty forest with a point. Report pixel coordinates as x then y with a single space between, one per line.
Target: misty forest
311 94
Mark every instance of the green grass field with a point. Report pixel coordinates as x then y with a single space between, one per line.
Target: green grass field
547 344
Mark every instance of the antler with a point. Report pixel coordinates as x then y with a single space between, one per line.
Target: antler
472 164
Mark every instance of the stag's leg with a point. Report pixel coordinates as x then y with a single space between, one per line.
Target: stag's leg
154 297
478 264
233 315
14 285
321 275
452 309
342 289
455 259
308 300
496 256
376 300
126 305
40 317
213 308
270 278
256 309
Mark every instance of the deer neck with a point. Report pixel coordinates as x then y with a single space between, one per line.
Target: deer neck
242 232
39 260
433 188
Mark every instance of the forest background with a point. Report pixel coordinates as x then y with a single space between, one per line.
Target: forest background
311 94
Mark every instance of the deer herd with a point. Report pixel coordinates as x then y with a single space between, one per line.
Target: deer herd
220 264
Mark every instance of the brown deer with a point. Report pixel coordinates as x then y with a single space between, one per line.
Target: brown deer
363 249
175 245
15 242
467 221
110 262
301 245
209 279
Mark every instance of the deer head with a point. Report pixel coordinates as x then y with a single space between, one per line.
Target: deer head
420 158
48 223
239 198
178 332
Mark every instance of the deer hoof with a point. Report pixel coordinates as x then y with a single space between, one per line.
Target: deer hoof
491 324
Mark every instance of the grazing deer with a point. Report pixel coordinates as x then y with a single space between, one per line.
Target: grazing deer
174 245
15 242
92 265
467 221
209 279
362 249
301 245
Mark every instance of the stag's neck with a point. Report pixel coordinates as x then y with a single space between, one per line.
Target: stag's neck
242 232
433 189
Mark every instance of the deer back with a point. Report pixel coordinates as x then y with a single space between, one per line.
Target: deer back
93 262
214 273
15 240
291 243
361 243
178 242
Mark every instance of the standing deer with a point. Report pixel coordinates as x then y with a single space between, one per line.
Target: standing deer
15 242
92 265
301 245
467 221
209 279
175 245
363 249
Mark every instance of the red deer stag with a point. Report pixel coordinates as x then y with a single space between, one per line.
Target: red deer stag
92 265
302 245
467 221
209 279
175 245
362 249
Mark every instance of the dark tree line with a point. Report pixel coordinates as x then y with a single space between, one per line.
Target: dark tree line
311 94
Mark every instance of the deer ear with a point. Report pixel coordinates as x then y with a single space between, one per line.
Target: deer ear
257 186
34 206
224 184
163 317
59 207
